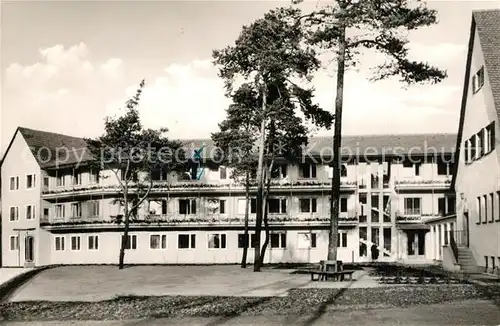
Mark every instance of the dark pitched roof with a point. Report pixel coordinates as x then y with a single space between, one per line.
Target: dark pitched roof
487 24
52 149
488 29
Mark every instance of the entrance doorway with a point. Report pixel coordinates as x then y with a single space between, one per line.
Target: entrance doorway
416 243
29 247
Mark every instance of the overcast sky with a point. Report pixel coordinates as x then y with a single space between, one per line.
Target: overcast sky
68 64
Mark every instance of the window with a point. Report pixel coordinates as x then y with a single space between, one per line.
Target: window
60 181
279 171
76 209
343 170
94 208
93 177
478 80
417 169
222 206
498 205
46 213
75 243
306 240
46 181
480 144
241 240
14 183
187 206
14 242
308 171
467 151
277 206
93 241
14 213
443 168
412 206
278 240
362 207
492 208
343 204
217 241
223 172
485 202
77 178
131 242
30 212
186 241
59 243
342 240
60 210
253 206
158 241
473 146
308 205
30 181
375 208
490 137
478 209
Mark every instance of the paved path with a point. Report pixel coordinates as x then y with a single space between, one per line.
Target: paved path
471 312
9 273
93 283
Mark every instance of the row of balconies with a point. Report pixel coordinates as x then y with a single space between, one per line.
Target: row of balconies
176 219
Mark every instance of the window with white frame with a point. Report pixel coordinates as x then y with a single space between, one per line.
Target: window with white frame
223 172
278 240
250 240
187 206
77 178
76 209
60 180
14 213
412 206
131 242
492 207
342 240
93 242
467 157
158 241
306 240
14 242
60 210
217 241
93 176
308 205
30 181
95 208
479 208
307 171
30 212
14 183
75 242
343 204
279 171
478 80
277 205
59 243
186 241
490 137
46 181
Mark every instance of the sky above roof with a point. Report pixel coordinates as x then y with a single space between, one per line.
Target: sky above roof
68 64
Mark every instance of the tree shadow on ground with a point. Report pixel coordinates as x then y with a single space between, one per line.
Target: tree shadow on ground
324 305
238 311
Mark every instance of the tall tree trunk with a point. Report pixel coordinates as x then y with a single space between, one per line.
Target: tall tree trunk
247 211
266 221
260 181
337 141
126 215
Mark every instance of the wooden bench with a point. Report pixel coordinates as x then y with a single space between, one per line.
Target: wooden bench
323 275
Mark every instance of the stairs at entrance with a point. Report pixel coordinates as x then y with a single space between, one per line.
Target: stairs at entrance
467 261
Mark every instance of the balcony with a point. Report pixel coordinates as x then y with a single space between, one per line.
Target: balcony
422 184
192 186
415 218
193 220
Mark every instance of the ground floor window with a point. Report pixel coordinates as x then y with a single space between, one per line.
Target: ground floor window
363 236
278 240
186 241
59 243
387 240
217 241
306 240
93 241
14 242
75 243
131 242
342 240
158 241
242 242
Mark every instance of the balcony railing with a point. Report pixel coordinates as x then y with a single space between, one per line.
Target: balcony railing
414 183
175 218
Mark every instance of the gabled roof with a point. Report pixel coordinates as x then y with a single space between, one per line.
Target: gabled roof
487 24
488 29
50 149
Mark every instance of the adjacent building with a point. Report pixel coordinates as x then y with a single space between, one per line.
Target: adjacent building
477 181
56 210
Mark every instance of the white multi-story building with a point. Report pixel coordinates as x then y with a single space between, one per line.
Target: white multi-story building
58 212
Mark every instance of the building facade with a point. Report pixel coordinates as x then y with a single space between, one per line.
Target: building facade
477 181
58 211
